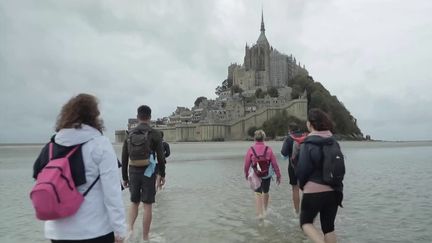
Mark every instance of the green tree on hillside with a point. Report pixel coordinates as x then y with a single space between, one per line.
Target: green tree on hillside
251 131
236 89
199 100
259 93
226 84
273 92
320 97
278 124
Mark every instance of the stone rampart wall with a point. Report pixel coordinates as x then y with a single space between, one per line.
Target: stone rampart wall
236 130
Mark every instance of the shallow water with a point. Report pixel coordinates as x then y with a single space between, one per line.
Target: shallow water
387 196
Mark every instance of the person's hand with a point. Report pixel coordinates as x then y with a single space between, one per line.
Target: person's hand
118 239
158 186
126 184
278 181
160 181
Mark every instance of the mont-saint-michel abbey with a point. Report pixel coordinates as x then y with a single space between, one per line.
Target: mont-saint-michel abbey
251 94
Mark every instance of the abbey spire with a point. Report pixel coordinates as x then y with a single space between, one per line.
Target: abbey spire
262 39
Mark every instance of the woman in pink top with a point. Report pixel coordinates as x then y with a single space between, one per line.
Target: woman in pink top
317 196
250 160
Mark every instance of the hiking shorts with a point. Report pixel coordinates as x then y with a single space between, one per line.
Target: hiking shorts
292 175
265 186
141 187
324 203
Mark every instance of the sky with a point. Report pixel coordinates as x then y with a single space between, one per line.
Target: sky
374 55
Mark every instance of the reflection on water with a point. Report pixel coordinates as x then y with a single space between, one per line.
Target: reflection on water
206 199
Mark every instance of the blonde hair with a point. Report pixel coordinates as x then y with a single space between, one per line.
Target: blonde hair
259 135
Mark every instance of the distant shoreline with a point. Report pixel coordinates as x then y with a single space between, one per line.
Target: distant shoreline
396 141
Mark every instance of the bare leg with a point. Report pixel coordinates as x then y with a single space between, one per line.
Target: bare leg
266 197
259 204
133 213
296 198
313 233
330 237
147 218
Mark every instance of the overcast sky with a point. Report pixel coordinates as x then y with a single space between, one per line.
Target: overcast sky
374 55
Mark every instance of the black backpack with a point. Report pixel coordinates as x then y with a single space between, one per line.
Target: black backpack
333 163
139 144
261 165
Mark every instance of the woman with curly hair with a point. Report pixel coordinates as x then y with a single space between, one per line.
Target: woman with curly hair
101 216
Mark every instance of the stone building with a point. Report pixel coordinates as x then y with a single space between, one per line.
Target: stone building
264 66
231 114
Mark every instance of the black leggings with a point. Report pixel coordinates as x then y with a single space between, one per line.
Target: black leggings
324 203
109 238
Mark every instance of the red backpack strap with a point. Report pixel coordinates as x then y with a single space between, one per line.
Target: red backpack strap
50 151
265 151
253 151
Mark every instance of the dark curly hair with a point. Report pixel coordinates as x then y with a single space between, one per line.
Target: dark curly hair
81 109
319 120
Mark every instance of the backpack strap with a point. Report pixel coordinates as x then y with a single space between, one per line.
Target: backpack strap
254 152
91 186
50 151
265 151
73 151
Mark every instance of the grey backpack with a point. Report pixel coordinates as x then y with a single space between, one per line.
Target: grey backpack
139 144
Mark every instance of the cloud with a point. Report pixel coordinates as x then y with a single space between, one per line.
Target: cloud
373 55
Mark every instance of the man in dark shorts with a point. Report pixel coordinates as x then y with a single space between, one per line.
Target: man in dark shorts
287 151
141 179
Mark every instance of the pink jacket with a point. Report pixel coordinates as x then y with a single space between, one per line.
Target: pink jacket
259 149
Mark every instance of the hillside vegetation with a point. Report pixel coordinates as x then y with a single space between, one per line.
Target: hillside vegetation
319 97
345 125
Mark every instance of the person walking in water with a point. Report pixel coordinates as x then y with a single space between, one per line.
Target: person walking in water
290 150
139 169
166 146
167 152
93 164
263 161
318 196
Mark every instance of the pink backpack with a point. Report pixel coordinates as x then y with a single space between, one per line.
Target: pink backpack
54 195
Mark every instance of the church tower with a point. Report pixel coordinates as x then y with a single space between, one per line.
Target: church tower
262 57
257 58
262 39
263 66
